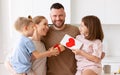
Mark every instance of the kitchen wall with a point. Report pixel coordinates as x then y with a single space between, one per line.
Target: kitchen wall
5 28
112 46
112 39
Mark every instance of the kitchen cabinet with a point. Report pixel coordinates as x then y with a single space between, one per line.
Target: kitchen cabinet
107 10
112 11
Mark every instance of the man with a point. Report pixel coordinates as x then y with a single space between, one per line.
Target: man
64 63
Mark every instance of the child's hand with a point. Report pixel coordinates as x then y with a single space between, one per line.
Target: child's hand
53 51
76 52
62 48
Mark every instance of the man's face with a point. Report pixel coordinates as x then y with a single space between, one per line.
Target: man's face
58 17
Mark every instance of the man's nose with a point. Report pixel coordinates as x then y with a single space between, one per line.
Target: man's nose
57 18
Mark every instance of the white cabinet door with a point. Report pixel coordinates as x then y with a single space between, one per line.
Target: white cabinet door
82 8
112 11
20 8
107 10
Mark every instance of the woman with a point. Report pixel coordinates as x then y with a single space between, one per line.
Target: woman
41 29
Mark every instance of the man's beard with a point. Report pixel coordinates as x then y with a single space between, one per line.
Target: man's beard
58 26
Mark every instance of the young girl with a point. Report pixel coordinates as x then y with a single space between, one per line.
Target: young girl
88 57
20 60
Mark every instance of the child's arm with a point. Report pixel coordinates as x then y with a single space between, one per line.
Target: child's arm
88 56
50 52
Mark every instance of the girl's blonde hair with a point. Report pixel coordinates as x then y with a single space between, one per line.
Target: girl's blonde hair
21 22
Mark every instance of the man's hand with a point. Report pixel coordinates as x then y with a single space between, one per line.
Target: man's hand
103 55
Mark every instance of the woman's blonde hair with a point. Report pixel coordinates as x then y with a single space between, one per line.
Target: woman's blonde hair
38 19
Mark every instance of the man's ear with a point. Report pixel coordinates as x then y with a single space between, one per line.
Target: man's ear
65 14
103 55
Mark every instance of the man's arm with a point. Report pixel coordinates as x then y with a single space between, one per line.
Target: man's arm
103 55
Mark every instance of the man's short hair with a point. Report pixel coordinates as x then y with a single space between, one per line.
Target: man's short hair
56 6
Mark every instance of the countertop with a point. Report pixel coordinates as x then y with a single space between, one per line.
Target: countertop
111 59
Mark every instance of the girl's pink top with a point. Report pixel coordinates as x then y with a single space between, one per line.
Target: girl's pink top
91 47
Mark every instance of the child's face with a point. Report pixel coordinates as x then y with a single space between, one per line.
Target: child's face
83 29
30 29
42 27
